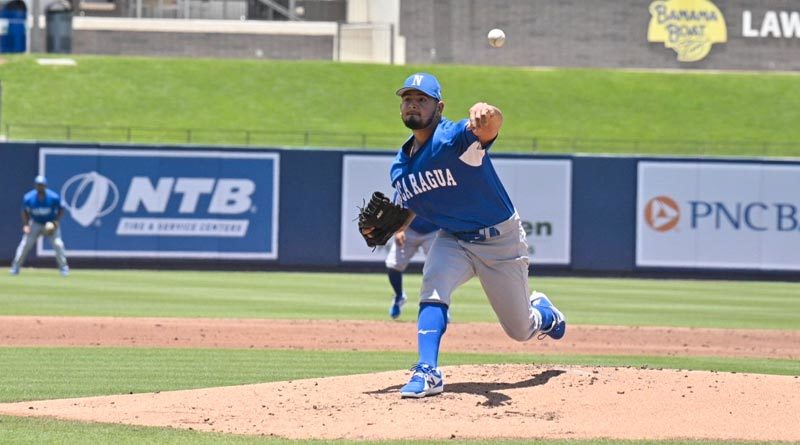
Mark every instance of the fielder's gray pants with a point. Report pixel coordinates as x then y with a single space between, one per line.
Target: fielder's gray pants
501 264
29 240
399 257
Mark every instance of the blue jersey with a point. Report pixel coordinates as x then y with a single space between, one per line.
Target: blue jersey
422 226
43 210
450 181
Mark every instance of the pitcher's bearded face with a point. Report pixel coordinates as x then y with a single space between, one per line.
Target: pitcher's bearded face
418 110
415 122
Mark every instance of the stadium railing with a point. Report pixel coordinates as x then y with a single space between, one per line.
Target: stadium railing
320 139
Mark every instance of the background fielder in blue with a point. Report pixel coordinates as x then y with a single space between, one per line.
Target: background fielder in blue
40 206
419 234
443 173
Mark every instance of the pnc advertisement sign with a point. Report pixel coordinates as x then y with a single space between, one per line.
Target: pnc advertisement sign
721 215
540 189
165 204
689 27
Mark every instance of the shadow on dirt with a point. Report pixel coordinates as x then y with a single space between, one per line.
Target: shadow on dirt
488 390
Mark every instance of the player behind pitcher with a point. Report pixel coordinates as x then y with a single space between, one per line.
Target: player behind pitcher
419 234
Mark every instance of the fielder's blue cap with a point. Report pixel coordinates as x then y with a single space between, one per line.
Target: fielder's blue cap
40 180
423 82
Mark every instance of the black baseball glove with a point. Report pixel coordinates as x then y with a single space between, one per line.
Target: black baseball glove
383 217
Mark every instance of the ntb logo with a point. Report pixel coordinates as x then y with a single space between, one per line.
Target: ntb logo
662 214
90 196
167 203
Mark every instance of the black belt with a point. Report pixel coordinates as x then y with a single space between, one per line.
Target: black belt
477 235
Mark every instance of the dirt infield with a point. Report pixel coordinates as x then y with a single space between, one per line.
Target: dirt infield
490 401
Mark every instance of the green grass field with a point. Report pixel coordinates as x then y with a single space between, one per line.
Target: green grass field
43 373
713 304
327 104
21 430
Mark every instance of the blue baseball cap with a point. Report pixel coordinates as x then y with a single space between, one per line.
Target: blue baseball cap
40 180
423 82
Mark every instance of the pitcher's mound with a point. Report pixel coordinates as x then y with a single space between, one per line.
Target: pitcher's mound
487 401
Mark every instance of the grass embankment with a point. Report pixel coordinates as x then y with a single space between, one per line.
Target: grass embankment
326 104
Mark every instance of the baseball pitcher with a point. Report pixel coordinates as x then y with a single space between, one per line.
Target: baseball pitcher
444 173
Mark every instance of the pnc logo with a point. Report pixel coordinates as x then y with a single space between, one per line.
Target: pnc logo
689 27
89 196
662 213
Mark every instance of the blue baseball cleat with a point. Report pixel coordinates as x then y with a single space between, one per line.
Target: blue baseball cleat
14 271
397 304
64 271
558 328
426 381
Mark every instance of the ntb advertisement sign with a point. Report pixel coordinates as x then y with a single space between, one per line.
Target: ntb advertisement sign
540 189
165 204
721 215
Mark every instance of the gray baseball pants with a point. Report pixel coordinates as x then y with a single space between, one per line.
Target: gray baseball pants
29 240
399 257
500 261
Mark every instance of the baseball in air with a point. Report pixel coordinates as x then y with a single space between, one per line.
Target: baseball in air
49 227
496 38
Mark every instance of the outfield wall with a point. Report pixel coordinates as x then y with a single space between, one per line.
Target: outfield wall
207 207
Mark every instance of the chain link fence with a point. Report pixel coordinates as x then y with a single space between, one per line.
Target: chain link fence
324 139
